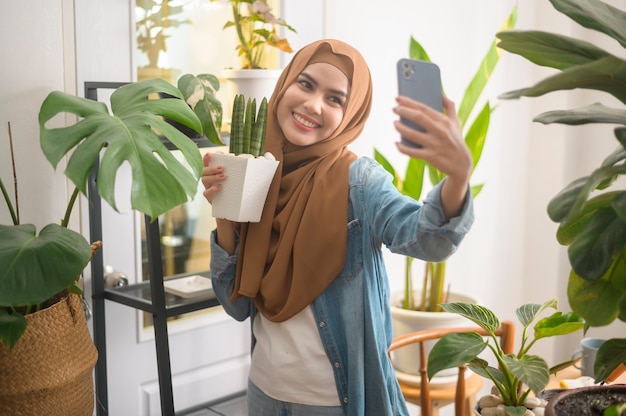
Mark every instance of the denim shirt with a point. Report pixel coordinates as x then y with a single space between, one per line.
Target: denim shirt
353 314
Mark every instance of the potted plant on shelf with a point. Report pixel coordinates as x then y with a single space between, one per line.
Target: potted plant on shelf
518 374
589 211
152 28
408 314
257 29
41 268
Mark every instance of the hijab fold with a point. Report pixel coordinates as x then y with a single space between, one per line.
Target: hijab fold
299 246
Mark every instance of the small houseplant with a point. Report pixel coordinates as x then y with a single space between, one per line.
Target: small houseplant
256 27
152 28
40 267
251 170
475 132
518 374
590 210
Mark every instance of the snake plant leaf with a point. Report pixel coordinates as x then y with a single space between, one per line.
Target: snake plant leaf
12 326
558 324
549 49
594 113
598 301
596 15
528 312
486 67
532 370
132 134
604 74
453 350
35 267
480 315
199 92
611 354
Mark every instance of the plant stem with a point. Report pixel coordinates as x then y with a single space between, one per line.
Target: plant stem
70 206
14 216
409 302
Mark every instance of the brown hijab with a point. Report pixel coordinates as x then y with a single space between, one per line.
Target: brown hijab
288 258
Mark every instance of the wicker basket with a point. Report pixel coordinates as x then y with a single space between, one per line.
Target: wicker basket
50 369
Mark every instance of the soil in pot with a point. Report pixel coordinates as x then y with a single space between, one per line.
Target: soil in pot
585 401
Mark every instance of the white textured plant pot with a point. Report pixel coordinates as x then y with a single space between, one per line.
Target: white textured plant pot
406 359
245 188
252 83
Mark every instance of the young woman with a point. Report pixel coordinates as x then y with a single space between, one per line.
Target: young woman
310 274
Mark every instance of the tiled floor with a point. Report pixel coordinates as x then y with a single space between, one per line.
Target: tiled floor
234 407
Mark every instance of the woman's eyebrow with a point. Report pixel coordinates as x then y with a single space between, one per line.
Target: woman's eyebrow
313 81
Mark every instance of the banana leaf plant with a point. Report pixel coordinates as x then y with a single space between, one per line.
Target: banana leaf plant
475 132
36 267
591 210
517 374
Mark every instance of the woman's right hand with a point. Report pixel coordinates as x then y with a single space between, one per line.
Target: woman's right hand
212 176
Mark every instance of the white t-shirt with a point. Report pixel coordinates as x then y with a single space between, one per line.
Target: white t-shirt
289 362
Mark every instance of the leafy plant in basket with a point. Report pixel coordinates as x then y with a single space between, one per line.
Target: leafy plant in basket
39 266
256 28
475 133
590 211
518 374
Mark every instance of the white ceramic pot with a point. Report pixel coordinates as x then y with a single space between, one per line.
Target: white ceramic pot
406 359
252 83
244 191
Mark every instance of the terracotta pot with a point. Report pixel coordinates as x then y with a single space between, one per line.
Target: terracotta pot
585 401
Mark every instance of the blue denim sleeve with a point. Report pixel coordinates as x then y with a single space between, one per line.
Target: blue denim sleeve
223 268
406 226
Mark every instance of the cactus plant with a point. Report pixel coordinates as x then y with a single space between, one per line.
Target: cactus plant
247 130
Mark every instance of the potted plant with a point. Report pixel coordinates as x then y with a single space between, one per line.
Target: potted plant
41 268
518 374
257 29
475 132
152 28
589 211
251 168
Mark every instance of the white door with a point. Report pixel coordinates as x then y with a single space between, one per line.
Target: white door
209 350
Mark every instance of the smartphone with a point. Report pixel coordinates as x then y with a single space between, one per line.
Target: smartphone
421 81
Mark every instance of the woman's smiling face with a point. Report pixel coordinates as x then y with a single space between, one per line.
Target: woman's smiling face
312 107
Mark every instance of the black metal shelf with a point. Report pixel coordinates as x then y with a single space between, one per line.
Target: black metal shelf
148 296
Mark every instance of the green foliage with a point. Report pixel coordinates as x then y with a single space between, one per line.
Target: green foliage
152 28
517 374
591 210
256 28
36 267
475 133
199 92
247 130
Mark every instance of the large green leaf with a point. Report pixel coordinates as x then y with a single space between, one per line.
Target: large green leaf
549 49
480 315
532 370
453 350
36 267
607 74
12 326
483 73
199 92
598 301
596 15
132 134
558 324
594 113
611 354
